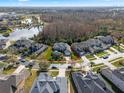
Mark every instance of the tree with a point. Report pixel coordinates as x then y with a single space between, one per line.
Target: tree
44 65
119 37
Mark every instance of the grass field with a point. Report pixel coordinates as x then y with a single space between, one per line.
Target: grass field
54 73
2 64
102 54
118 48
112 50
90 57
96 68
8 71
74 56
118 62
29 82
46 54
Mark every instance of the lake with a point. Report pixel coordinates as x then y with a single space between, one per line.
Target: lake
22 33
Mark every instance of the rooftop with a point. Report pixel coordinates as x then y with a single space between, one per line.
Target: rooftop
47 84
89 83
115 76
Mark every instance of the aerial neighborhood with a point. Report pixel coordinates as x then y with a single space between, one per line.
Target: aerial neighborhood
61 50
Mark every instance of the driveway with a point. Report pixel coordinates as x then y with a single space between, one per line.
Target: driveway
85 64
62 72
68 59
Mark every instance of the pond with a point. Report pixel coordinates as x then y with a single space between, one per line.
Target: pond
23 33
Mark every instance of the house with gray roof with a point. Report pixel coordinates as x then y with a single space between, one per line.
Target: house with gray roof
95 45
48 84
27 47
63 48
116 77
14 83
89 83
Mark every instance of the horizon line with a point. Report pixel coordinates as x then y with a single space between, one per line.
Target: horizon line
64 6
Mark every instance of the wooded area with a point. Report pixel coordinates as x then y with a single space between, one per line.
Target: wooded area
70 26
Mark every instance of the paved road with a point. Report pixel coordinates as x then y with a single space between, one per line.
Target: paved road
106 61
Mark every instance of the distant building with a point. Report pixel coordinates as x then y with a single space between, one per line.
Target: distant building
14 83
89 83
4 43
48 84
116 77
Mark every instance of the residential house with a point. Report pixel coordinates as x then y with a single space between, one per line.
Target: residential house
89 83
48 84
95 45
14 83
116 77
63 48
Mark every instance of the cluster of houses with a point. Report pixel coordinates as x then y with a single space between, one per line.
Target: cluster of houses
95 45
6 19
89 83
27 47
14 83
4 43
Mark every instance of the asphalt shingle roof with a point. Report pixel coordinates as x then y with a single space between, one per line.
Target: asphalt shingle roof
89 83
46 84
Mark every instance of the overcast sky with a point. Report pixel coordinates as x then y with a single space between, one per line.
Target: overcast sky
62 3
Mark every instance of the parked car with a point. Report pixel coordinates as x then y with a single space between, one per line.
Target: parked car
105 57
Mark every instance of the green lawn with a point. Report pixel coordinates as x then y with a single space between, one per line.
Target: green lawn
74 56
96 68
29 82
2 64
8 71
102 54
46 54
120 58
79 61
118 48
117 62
54 73
90 57
112 50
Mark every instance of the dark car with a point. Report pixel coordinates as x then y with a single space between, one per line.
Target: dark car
105 57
